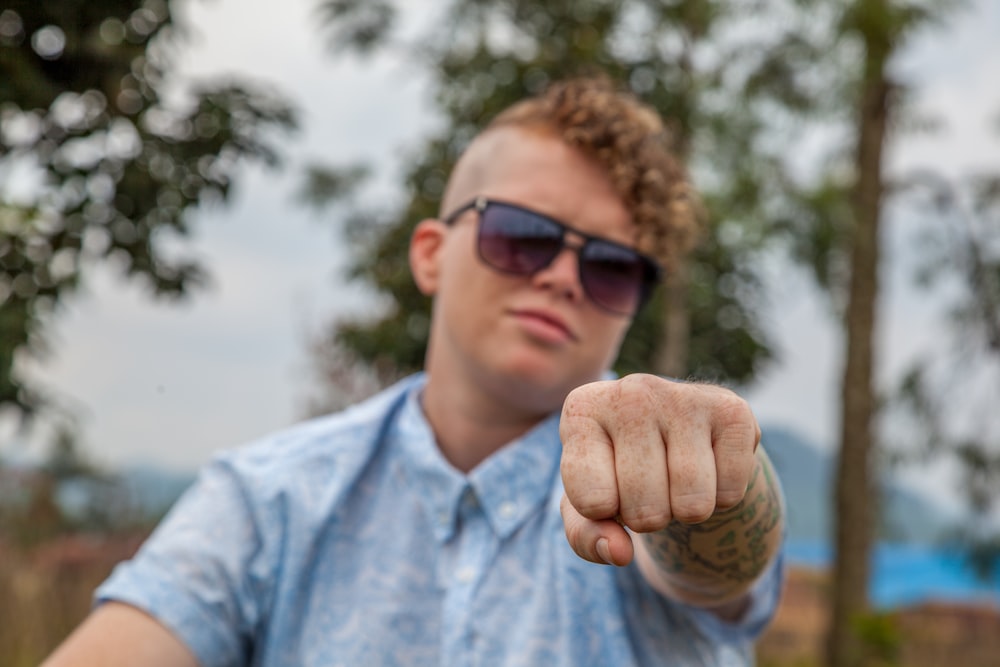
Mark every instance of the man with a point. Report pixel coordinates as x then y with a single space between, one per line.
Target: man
429 525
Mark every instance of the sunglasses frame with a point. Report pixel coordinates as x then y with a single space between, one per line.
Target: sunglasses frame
651 270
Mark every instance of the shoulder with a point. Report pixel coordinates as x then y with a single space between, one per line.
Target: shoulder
321 449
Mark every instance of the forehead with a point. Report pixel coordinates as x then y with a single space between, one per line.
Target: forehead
539 171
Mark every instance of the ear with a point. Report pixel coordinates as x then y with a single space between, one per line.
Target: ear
426 246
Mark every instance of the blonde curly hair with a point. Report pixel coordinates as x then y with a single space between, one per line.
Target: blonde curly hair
627 138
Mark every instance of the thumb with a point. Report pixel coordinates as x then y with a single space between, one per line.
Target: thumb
603 541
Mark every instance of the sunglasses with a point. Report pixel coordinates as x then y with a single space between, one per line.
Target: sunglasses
518 241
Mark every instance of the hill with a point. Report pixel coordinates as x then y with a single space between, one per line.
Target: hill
806 474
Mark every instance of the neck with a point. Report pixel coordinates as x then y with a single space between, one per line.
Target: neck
470 425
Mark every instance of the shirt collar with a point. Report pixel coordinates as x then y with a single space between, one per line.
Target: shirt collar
509 485
514 481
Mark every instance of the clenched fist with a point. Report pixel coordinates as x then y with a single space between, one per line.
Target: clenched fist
645 451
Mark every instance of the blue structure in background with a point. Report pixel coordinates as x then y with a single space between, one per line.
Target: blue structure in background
907 574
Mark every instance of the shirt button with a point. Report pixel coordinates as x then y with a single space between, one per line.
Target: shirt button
465 574
507 510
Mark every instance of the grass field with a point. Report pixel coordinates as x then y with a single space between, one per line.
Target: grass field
46 591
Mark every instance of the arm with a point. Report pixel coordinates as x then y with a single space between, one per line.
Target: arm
119 635
715 563
677 464
185 596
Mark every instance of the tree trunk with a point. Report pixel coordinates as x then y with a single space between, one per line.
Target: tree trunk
855 497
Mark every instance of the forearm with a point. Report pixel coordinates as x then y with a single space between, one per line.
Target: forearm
714 563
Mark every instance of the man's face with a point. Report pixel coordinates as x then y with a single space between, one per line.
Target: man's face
528 340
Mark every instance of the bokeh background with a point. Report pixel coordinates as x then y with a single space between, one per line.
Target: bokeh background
149 388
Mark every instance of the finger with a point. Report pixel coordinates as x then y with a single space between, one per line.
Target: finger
734 441
603 541
640 456
691 466
588 463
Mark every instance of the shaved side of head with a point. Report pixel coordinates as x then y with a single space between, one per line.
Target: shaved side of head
480 161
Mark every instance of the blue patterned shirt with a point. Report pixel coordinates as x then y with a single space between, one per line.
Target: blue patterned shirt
350 540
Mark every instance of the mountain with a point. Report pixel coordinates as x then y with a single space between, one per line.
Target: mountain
806 474
153 490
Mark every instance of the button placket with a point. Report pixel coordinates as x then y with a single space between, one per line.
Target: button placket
472 548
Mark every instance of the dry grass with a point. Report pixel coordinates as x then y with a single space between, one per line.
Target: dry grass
46 591
927 635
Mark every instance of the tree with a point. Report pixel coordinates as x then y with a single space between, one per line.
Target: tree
104 160
947 398
718 86
838 227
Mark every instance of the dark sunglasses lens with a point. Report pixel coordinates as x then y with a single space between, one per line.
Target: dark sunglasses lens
613 276
516 241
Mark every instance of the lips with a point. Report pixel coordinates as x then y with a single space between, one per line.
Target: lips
544 325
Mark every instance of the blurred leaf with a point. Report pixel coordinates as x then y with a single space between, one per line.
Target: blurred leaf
118 173
358 25
325 185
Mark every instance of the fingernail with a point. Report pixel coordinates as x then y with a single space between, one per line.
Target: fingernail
604 550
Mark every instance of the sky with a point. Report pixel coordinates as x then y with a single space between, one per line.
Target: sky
167 384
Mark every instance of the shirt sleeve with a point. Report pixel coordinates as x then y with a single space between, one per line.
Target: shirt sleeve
692 635
203 570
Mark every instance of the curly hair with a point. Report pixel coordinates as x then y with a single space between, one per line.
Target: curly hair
627 138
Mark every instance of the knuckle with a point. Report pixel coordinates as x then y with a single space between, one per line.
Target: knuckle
694 507
646 518
636 396
573 461
583 405
637 385
729 498
735 423
586 394
596 504
637 381
734 411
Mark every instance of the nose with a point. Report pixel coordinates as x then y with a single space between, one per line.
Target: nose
562 275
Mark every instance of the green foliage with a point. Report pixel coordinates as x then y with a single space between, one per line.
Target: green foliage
937 396
818 225
835 223
881 639
357 24
719 86
324 185
97 167
818 222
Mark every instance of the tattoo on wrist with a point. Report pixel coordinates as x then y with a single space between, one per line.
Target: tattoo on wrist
729 549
